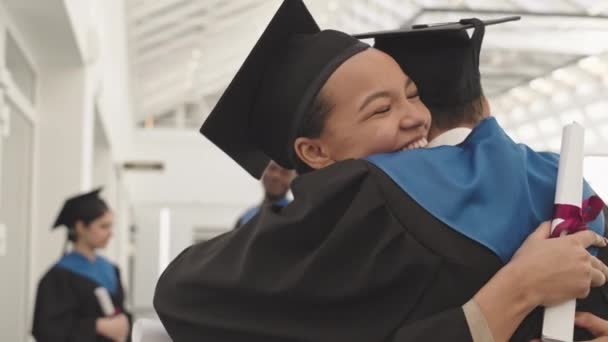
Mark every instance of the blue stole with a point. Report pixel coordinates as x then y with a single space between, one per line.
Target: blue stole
100 271
487 188
251 212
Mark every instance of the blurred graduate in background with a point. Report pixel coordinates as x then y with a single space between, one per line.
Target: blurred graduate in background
81 297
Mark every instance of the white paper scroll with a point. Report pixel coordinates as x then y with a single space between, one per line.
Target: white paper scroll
558 322
103 297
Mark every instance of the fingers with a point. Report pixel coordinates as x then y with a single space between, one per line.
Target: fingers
597 278
588 238
542 232
599 274
596 326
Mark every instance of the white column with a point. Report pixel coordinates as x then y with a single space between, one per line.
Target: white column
61 135
180 116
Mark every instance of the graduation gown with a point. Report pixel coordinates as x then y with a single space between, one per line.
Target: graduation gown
353 258
66 307
251 212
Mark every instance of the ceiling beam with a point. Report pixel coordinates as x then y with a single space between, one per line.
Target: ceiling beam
147 86
191 42
183 26
174 96
235 54
215 32
202 42
168 19
527 14
189 35
150 7
548 40
206 84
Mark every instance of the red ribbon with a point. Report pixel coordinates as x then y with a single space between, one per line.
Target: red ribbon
575 218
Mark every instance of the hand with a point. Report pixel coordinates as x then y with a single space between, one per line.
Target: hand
597 327
543 271
115 328
554 270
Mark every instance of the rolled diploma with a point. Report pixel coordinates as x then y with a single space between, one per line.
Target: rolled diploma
103 297
558 321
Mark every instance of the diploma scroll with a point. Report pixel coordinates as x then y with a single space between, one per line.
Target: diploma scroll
105 301
558 322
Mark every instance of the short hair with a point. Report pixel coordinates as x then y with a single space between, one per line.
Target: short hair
447 117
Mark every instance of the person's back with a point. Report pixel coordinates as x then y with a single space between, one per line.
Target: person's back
500 175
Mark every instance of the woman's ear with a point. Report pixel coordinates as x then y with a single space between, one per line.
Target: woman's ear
79 228
485 106
312 152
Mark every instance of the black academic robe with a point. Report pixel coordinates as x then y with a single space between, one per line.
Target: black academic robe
67 308
353 258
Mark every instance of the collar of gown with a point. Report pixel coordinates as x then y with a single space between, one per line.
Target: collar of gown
450 137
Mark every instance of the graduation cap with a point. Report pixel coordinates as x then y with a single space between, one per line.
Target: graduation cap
75 206
257 117
441 59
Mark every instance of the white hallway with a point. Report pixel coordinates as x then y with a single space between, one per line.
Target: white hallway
112 92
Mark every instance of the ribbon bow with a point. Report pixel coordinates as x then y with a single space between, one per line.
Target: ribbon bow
575 218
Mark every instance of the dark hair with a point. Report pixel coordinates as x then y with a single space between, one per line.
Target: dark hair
88 213
312 127
453 116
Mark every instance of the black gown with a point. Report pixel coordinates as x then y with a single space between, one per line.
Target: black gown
67 308
353 258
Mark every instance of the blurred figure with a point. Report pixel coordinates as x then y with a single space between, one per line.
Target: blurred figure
276 181
73 295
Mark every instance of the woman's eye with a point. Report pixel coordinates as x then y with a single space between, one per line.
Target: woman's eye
413 96
382 110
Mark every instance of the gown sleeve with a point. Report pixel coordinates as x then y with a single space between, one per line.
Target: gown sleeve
334 265
55 313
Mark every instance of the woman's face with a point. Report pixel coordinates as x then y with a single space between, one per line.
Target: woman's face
375 108
98 233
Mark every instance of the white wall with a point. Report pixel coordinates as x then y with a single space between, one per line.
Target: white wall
146 258
62 38
195 171
114 89
100 30
61 131
200 186
105 174
184 218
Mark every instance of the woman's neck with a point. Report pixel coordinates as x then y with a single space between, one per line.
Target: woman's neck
269 199
85 250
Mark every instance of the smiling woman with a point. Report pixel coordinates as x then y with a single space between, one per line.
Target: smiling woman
374 108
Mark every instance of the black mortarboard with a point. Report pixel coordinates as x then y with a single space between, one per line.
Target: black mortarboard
74 206
257 117
441 59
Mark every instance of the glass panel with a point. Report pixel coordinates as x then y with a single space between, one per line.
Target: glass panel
21 70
